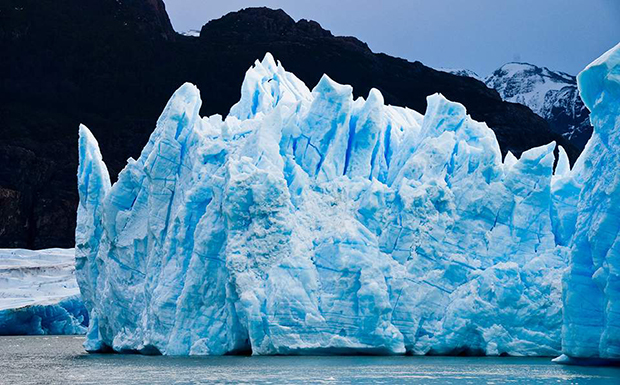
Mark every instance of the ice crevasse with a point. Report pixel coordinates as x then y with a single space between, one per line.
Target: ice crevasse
311 222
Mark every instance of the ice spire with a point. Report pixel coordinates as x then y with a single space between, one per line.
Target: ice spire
93 186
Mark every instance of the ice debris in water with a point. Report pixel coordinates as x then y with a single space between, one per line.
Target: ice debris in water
312 222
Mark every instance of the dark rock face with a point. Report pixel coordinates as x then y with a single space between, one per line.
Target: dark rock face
113 64
69 61
568 116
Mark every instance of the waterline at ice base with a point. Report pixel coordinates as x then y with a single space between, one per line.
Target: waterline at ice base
310 222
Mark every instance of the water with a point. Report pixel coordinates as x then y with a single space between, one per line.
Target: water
62 360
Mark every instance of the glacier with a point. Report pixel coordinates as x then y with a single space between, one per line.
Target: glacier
313 222
39 293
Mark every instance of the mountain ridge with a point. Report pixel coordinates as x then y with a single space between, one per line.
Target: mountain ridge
113 65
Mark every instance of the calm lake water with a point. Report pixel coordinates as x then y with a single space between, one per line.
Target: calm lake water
61 360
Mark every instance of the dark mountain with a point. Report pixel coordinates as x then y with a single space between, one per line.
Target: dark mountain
113 64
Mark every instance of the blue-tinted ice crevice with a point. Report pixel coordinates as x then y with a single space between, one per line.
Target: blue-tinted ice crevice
312 222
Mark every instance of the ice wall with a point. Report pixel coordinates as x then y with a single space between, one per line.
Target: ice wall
313 222
591 286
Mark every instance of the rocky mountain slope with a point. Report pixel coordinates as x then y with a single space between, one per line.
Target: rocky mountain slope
113 64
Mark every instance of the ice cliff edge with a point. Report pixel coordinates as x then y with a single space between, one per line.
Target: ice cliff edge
591 285
310 222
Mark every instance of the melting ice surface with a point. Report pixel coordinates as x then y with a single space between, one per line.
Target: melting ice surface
312 222
39 294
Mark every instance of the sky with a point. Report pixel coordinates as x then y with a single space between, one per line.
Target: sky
479 35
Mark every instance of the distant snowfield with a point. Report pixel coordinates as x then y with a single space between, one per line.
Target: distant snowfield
461 72
39 293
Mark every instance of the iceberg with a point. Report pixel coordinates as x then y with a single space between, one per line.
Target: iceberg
313 222
39 293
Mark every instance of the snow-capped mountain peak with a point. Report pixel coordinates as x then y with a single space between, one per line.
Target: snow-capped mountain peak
528 84
551 94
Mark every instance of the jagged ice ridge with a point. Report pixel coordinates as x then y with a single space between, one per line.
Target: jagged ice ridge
312 222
